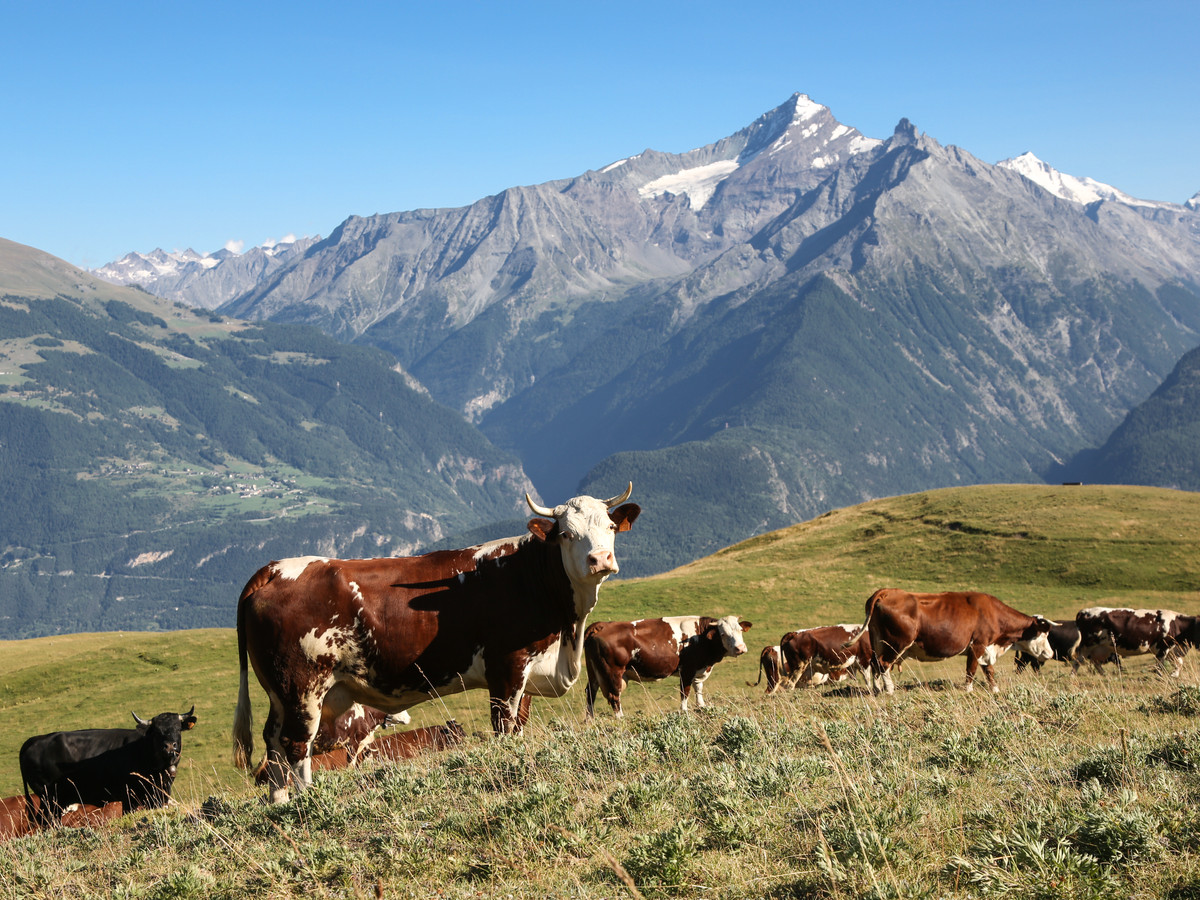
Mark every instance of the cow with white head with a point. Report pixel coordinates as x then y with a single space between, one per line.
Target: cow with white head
505 616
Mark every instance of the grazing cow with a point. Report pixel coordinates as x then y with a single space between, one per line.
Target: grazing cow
770 661
826 653
653 649
507 616
1131 632
1064 642
132 766
933 627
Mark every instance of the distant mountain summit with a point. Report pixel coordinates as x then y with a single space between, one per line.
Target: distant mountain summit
202 280
1069 187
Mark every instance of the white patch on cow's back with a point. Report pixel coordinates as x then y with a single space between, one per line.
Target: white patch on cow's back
291 569
355 592
483 551
682 628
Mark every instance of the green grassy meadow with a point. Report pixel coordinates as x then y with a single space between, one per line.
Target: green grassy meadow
1059 787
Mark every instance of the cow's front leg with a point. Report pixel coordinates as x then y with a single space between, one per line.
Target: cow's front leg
972 666
506 687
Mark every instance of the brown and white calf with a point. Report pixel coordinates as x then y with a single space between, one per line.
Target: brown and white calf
932 627
770 662
506 616
1131 632
653 649
826 653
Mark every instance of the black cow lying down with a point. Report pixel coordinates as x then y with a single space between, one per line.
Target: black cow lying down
132 766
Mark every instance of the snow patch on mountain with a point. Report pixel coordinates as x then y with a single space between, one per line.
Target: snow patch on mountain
699 183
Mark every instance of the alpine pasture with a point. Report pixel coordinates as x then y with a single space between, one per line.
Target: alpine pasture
1059 786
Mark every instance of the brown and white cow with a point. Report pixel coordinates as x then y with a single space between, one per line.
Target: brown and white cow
1131 632
506 616
653 649
826 653
933 627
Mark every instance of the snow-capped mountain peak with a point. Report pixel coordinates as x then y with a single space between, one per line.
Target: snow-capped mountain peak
1193 202
799 126
206 280
1069 187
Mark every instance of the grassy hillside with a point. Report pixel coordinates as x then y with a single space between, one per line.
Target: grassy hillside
1049 550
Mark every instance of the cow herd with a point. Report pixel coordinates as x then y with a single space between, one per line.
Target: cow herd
343 648
932 627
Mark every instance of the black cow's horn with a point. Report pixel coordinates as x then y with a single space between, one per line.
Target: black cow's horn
539 510
189 713
139 719
621 499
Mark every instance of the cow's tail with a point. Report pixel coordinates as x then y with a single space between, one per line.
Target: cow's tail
761 660
243 717
871 601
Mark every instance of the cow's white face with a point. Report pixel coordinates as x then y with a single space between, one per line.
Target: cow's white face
732 639
588 536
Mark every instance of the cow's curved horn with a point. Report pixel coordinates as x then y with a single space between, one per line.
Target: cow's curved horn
191 712
139 719
539 510
621 499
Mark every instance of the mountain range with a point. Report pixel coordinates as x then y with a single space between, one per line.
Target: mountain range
830 316
794 318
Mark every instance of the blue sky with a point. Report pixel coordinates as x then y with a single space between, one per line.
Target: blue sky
129 126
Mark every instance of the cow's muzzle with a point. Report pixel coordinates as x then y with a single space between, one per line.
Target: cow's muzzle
602 562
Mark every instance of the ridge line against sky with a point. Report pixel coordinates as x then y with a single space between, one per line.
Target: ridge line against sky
131 126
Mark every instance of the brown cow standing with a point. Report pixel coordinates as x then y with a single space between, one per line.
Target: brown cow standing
1131 632
826 652
507 616
653 649
933 627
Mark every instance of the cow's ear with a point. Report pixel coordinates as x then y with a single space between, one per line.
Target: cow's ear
623 516
746 626
542 528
